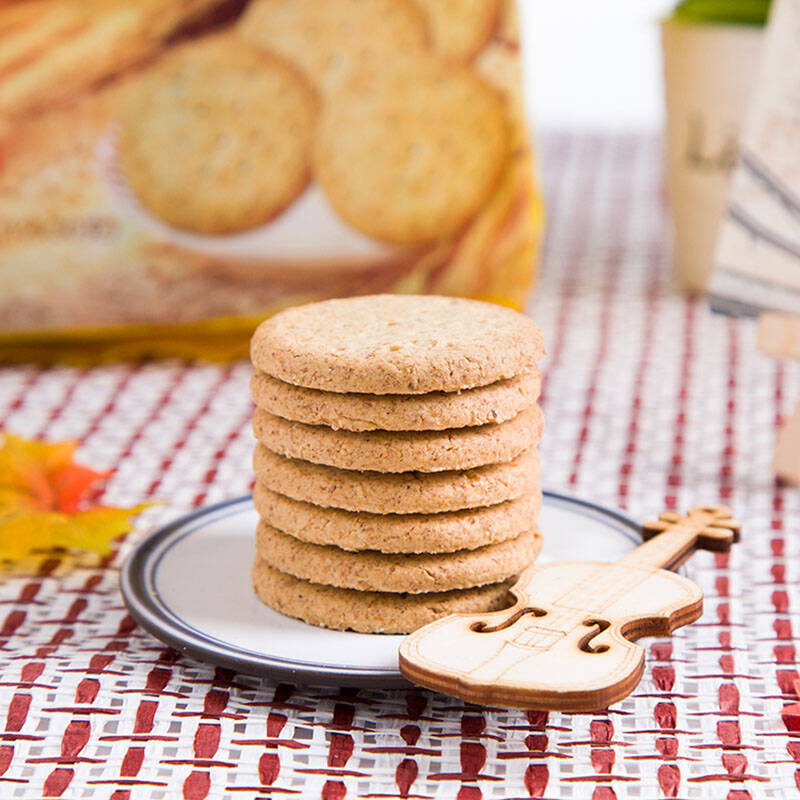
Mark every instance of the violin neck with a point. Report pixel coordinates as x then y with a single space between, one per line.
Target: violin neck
666 550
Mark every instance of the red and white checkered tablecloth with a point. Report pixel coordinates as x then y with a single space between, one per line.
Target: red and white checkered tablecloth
651 401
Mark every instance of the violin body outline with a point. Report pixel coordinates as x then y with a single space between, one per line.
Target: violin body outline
567 643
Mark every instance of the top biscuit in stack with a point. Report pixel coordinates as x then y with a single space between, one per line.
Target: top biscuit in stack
397 475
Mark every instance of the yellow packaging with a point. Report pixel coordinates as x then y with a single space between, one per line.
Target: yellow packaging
173 171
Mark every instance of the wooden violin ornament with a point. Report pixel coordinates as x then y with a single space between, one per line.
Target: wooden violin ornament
566 643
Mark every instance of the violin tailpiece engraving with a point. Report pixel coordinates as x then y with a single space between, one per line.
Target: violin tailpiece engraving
567 642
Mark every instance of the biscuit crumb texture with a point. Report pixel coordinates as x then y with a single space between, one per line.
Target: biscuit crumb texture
408 153
396 344
397 572
216 136
400 492
369 612
434 411
398 533
393 451
460 28
330 40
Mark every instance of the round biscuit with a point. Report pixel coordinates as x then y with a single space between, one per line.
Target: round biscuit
398 533
399 451
460 28
396 572
330 40
396 344
215 137
434 411
399 492
369 612
409 153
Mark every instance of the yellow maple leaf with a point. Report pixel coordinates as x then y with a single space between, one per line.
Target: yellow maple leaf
43 501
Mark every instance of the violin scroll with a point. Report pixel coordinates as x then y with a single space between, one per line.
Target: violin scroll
716 528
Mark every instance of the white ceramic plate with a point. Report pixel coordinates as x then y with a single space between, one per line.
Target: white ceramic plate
189 585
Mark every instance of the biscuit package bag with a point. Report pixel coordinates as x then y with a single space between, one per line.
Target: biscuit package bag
173 171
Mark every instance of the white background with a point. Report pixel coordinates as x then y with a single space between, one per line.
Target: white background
593 64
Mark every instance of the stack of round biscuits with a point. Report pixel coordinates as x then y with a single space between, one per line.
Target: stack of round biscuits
396 464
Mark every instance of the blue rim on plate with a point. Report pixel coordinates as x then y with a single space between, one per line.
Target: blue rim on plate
140 592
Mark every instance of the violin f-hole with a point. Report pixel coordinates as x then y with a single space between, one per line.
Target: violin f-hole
598 625
481 627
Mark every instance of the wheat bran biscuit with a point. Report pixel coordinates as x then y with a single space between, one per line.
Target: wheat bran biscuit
409 153
460 28
330 40
396 572
398 533
215 138
369 612
396 344
399 492
399 451
434 411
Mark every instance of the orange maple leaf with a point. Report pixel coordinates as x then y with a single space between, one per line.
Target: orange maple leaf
43 501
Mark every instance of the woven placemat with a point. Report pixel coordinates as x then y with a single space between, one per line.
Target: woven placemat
651 402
